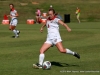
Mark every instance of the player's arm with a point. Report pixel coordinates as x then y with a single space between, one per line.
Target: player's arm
65 25
16 15
76 12
41 29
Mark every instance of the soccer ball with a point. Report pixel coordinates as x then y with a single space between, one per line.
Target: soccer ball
46 65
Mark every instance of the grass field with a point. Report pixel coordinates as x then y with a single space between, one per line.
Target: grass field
18 55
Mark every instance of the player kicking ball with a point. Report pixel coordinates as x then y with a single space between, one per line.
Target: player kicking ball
13 23
53 38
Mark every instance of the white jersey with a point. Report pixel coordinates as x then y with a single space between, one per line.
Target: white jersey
14 20
13 13
53 27
53 36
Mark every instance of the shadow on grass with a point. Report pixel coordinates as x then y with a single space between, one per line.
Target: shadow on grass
53 63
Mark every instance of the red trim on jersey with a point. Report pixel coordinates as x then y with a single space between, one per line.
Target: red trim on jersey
52 18
12 9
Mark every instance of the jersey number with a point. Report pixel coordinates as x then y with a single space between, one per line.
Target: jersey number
48 25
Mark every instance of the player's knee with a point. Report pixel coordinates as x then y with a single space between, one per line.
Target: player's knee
62 51
10 29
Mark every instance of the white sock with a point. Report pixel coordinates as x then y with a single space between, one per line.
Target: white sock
69 52
15 32
41 58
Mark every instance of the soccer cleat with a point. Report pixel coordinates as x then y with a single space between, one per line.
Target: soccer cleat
77 55
37 66
16 36
18 33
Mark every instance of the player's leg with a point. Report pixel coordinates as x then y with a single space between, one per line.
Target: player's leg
37 21
15 22
62 50
12 27
43 49
78 18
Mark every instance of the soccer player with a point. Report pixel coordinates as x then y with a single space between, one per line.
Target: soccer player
53 38
38 15
78 14
13 23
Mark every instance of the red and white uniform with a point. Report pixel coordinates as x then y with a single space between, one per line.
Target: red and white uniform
13 19
53 36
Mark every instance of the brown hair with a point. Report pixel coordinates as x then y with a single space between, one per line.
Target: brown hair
12 5
52 10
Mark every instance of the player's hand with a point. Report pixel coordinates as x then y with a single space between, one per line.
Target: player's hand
11 16
41 30
8 15
69 30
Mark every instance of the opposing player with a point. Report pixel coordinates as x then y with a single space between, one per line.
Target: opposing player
53 38
78 14
13 23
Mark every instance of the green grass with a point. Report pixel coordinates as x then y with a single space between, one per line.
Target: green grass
18 55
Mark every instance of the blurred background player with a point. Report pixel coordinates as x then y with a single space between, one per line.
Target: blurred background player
53 38
38 15
78 14
13 23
